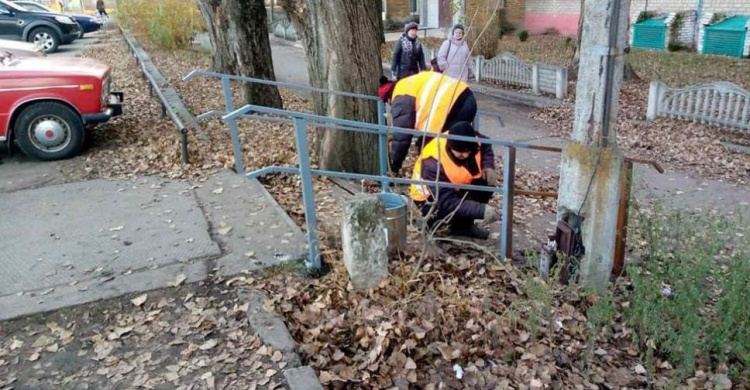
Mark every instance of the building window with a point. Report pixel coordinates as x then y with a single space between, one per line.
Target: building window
413 7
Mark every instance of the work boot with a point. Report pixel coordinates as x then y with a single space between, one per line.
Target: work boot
471 231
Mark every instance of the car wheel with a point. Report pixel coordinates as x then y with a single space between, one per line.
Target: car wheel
49 131
46 38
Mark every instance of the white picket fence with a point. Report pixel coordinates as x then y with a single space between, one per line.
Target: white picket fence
509 69
720 104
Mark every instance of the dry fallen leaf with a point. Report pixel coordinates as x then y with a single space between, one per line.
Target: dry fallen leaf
209 344
179 280
225 231
15 344
139 300
218 190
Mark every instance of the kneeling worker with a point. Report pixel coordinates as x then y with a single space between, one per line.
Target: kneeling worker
457 162
427 101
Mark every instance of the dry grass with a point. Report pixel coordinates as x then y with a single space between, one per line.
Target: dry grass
169 23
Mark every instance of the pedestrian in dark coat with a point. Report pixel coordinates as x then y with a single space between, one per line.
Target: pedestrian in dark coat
408 56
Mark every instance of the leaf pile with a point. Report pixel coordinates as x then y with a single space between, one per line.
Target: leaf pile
191 338
465 314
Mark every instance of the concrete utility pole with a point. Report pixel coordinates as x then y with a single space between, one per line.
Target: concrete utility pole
591 163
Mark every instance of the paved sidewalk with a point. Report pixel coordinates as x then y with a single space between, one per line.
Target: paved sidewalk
79 242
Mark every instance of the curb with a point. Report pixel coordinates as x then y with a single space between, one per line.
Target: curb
271 328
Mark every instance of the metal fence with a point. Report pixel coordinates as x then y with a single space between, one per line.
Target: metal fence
721 104
300 121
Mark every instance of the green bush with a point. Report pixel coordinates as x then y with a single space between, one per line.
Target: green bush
523 35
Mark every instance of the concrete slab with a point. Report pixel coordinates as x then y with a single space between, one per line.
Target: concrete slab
61 235
244 218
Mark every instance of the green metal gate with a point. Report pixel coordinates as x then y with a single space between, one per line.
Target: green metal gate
726 37
650 34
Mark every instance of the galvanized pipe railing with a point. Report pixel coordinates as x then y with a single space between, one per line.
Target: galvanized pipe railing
301 120
155 89
226 80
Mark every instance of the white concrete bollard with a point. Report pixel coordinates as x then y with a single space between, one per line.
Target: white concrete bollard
364 239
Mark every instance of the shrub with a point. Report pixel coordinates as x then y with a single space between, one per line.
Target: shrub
688 298
523 36
170 24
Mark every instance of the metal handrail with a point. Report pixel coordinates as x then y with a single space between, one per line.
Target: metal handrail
154 88
301 120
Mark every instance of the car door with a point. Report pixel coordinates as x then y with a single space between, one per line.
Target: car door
11 27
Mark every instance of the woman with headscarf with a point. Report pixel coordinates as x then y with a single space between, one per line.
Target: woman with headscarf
408 56
454 57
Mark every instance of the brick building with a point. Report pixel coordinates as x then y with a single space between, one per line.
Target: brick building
562 15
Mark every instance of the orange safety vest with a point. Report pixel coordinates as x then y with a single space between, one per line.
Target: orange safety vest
456 174
435 94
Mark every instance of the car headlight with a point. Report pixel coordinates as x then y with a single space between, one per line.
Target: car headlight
64 19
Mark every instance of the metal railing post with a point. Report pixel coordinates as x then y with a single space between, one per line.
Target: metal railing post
233 128
184 145
509 178
382 146
308 196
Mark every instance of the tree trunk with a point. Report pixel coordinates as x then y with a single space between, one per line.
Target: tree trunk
240 45
342 43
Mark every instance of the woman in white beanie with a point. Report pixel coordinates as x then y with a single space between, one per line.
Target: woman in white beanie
454 56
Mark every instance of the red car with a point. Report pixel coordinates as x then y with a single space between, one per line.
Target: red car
46 103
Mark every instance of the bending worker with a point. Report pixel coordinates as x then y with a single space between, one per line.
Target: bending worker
427 101
457 162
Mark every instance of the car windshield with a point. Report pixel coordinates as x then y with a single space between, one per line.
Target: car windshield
13 6
34 7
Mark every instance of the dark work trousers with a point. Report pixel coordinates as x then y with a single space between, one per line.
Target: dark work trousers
456 221
463 110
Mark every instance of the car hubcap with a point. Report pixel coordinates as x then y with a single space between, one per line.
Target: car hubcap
49 134
45 40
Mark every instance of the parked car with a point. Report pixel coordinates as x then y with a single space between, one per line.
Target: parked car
19 49
50 30
87 23
47 103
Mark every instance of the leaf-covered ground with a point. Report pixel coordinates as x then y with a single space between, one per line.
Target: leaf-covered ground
676 144
191 337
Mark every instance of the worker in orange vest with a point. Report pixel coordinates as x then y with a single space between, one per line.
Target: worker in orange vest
457 162
427 101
